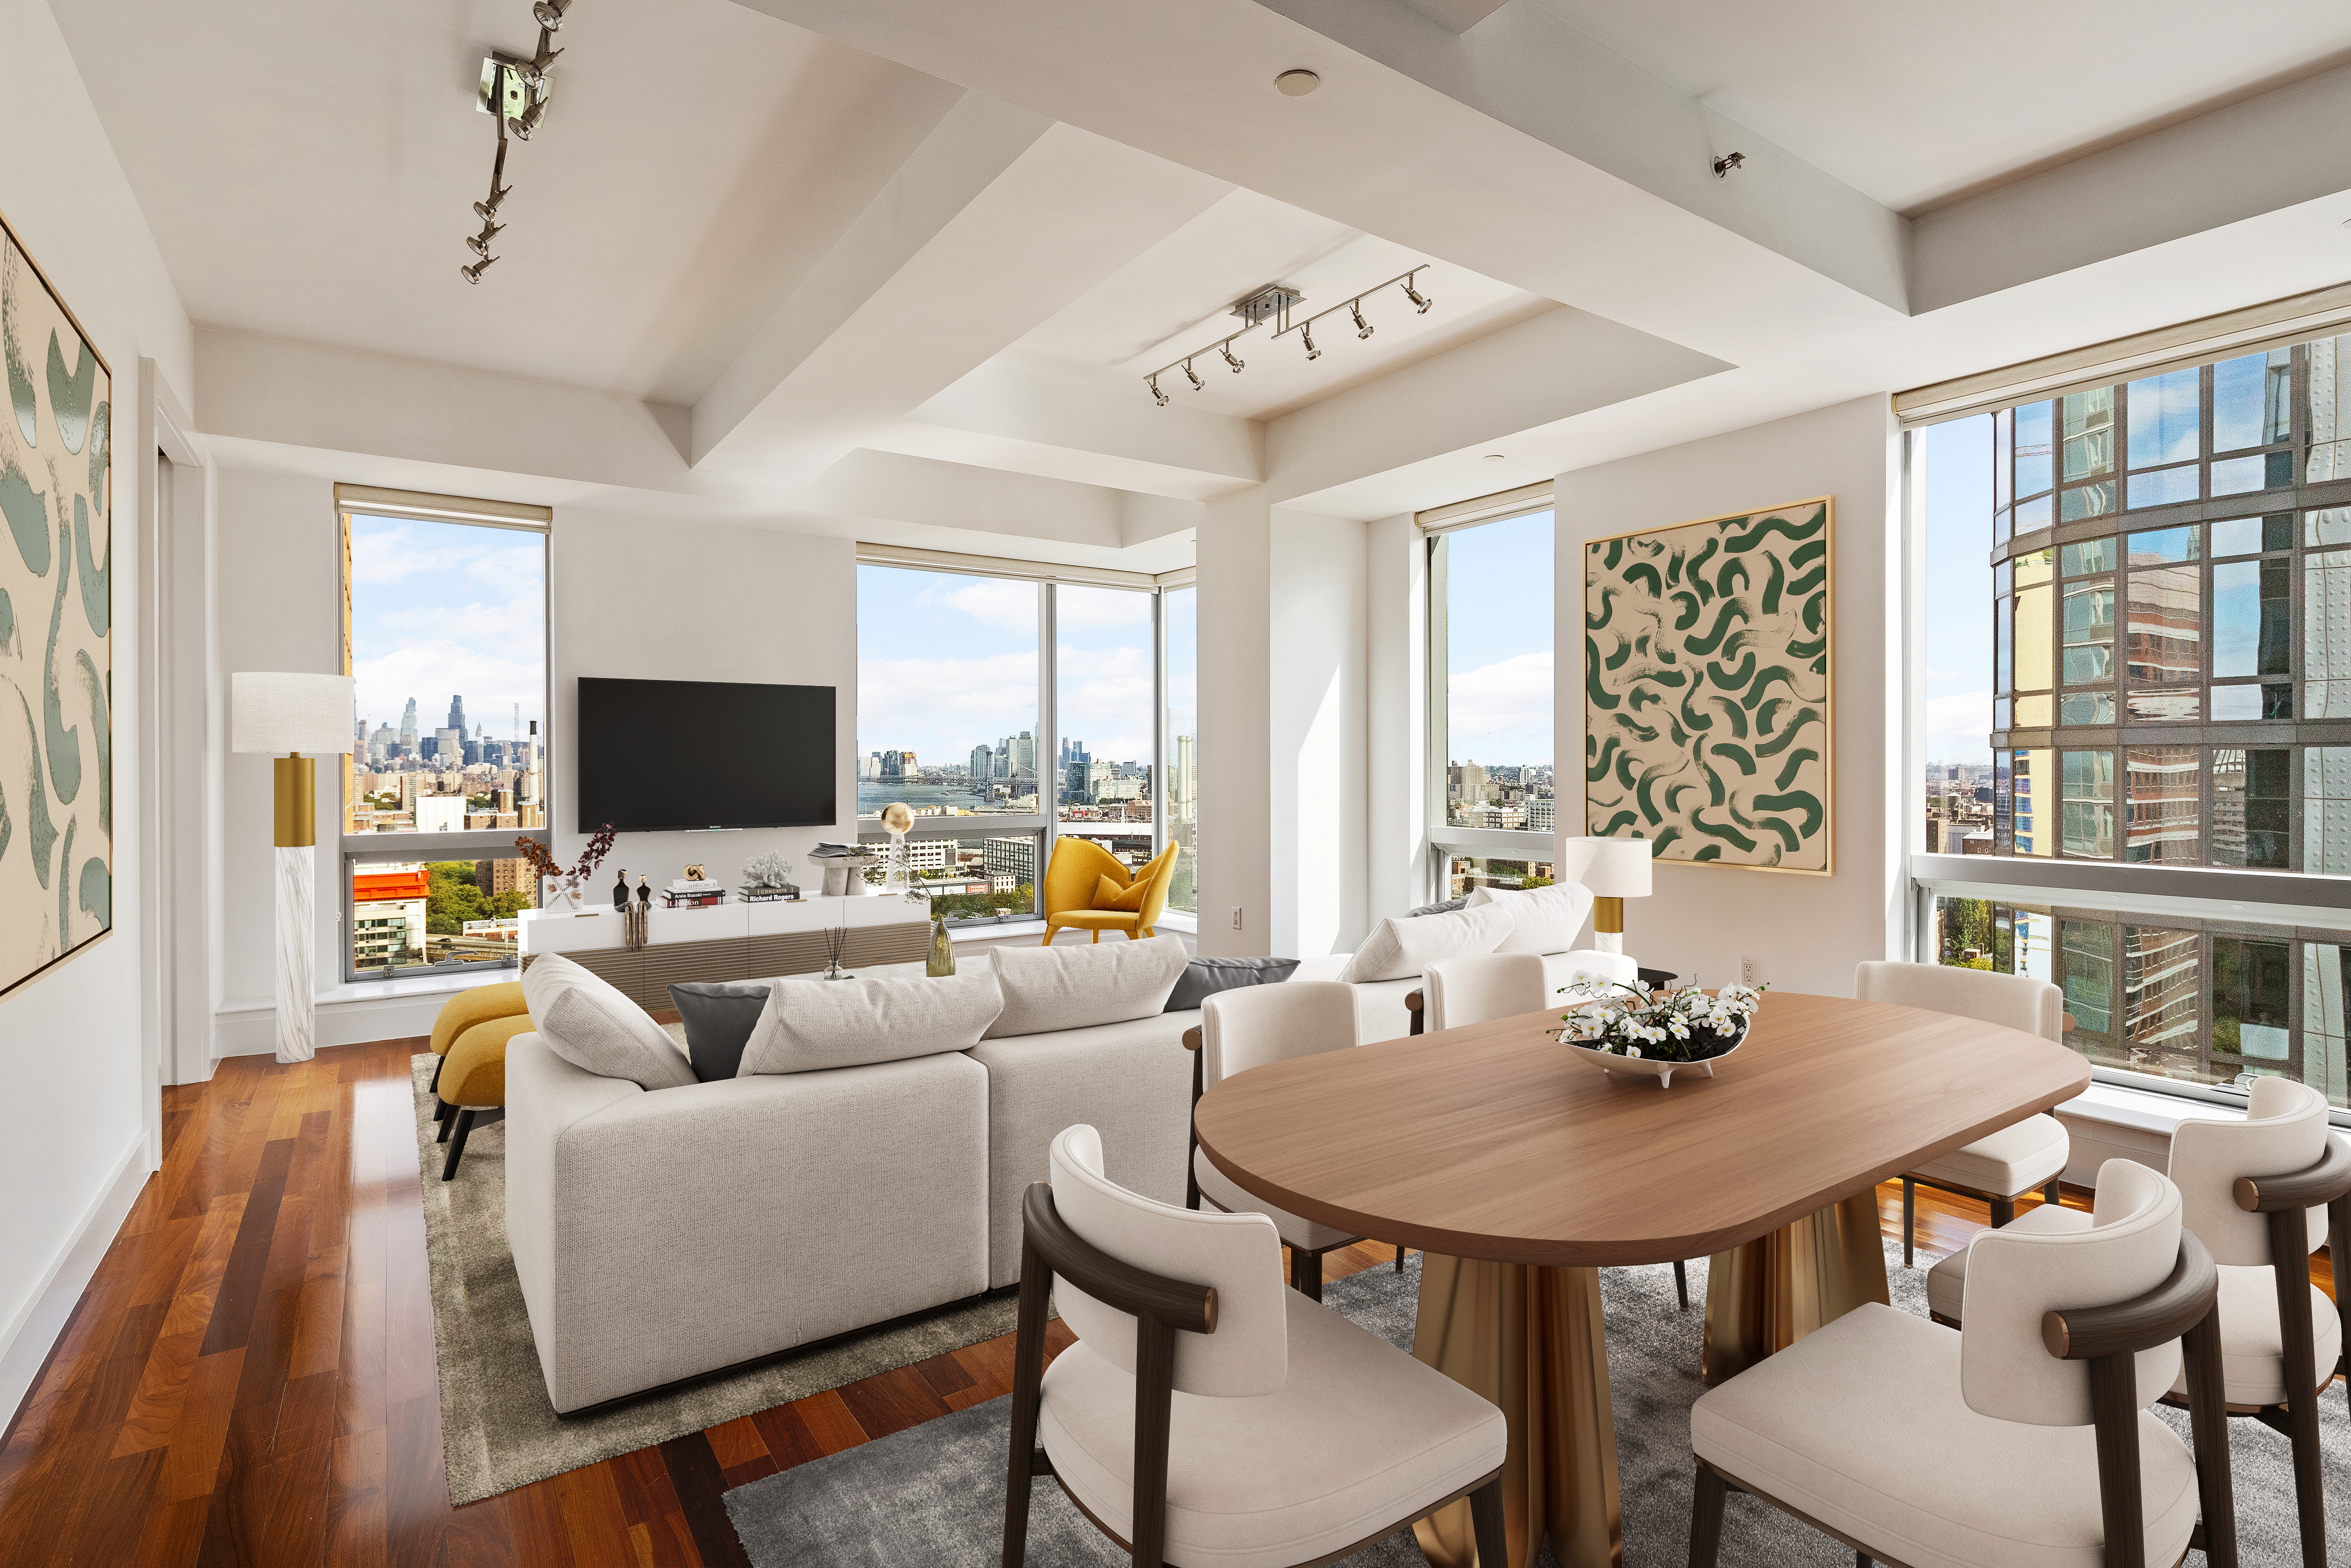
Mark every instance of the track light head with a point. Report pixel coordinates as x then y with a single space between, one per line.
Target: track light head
1420 301
1192 375
1225 349
1362 328
550 14
488 211
1152 379
528 120
1307 333
473 273
480 244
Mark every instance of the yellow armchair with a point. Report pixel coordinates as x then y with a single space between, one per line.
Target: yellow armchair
1074 896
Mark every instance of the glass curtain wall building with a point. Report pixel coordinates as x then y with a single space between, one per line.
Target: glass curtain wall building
2167 661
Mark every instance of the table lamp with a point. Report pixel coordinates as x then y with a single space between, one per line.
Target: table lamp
290 714
1618 870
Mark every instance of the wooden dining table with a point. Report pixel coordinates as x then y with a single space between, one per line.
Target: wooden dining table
1521 1169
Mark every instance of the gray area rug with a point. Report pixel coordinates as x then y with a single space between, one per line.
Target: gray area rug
933 1495
497 1430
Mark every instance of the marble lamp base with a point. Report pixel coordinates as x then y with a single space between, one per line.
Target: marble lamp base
298 957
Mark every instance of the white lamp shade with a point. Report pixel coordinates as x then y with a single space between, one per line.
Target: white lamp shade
1619 868
282 712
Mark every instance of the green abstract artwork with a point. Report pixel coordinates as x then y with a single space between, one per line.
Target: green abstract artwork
1706 689
56 649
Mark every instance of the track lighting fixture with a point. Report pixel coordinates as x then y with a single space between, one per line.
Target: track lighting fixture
1272 306
1723 166
513 94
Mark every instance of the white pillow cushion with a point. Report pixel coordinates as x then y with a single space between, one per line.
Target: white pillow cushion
1543 919
587 1021
811 1025
1402 947
1047 989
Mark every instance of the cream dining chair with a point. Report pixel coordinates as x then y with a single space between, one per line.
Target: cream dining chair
2022 1437
2262 1194
1251 1027
2005 1165
1207 1416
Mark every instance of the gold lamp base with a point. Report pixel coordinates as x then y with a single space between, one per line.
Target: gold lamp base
1607 914
297 800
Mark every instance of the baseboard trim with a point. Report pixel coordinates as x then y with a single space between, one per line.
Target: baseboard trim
27 1343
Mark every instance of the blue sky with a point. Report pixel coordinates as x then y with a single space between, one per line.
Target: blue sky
444 608
1958 457
947 663
1499 643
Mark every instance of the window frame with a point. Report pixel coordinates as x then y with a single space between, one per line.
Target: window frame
355 849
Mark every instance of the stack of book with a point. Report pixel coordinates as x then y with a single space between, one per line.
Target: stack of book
682 895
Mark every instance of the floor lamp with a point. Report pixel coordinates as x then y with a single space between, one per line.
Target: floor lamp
288 715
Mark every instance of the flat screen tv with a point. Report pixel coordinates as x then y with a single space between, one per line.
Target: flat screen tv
658 755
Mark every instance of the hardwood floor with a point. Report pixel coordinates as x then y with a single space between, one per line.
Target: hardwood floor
250 1377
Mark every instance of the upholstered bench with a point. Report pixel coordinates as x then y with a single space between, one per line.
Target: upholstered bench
471 1019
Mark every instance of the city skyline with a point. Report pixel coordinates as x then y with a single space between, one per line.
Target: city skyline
443 609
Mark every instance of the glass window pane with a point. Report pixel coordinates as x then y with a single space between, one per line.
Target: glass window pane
1103 702
2035 451
1463 874
389 924
2088 420
2163 632
2003 636
2035 566
2180 705
453 612
2003 806
2237 536
986 880
2166 804
2328 432
2036 609
2323 1009
2326 810
2161 1005
2165 487
2161 545
2086 966
947 693
2238 475
2252 619
2001 493
2086 707
2089 556
2034 514
2086 501
2035 804
2089 633
2033 712
1498 696
2249 989
1180 611
2163 422
1964 932
2326 635
2252 401
2089 804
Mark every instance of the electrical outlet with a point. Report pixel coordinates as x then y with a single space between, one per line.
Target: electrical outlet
1748 969
1237 918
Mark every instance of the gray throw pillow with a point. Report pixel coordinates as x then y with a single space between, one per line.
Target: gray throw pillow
809 1025
1203 978
588 1022
1448 907
718 1020
1047 989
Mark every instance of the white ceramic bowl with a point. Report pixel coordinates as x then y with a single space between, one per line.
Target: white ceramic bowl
1649 1066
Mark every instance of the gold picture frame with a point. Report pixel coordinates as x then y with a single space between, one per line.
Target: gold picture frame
1715 761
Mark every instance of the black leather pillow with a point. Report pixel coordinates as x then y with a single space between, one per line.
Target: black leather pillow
1203 978
718 1020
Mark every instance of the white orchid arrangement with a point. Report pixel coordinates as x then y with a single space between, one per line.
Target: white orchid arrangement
1632 1019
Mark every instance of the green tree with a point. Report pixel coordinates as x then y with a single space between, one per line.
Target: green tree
452 898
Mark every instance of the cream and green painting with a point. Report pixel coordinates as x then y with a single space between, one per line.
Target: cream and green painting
1706 689
57 652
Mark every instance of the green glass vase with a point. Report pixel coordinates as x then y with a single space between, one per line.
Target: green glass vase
941 960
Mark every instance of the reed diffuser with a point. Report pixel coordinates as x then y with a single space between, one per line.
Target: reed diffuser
835 938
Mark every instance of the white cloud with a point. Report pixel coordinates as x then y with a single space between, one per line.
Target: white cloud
1096 609
1502 712
996 602
1957 727
1105 701
942 707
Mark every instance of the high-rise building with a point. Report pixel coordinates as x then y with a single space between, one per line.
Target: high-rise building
983 766
1023 769
1015 858
458 716
1183 782
408 728
893 767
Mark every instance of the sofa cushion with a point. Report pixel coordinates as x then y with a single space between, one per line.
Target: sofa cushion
1203 978
808 1026
1446 907
1543 919
588 1022
1050 988
1408 945
1129 899
718 1019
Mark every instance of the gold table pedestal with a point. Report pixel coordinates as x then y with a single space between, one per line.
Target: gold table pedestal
1530 1339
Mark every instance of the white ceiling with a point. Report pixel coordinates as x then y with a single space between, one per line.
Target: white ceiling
1177 297
1917 104
308 173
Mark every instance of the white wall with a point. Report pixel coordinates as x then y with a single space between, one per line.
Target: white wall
1235 727
1397 727
632 595
78 1149
1316 684
1805 932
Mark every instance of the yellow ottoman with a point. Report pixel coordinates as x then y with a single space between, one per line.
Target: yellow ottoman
479 1004
474 1078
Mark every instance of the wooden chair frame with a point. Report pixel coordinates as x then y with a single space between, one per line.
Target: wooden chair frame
2108 1337
1416 1005
1161 1308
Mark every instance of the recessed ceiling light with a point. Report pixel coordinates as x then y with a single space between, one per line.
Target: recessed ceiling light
1297 83
1493 457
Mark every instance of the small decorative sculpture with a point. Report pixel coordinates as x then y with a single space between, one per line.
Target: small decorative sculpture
644 891
942 959
620 891
896 876
769 870
694 874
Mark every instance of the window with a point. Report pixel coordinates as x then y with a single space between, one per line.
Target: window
445 638
2162 690
969 707
1491 788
